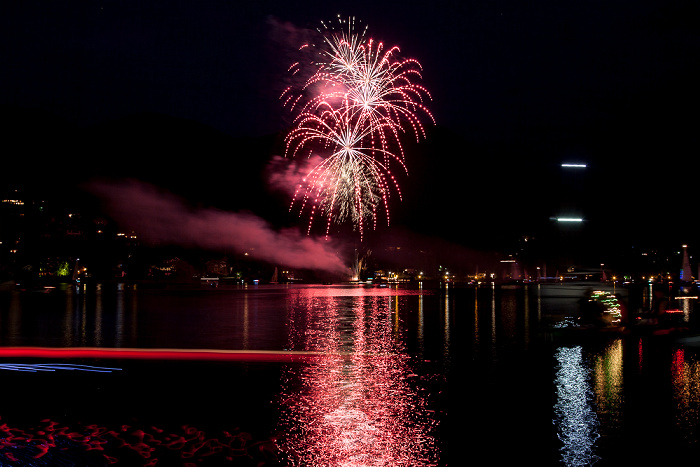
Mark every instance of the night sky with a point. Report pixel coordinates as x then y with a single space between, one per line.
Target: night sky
518 87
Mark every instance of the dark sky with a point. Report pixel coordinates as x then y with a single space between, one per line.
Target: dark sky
500 65
517 88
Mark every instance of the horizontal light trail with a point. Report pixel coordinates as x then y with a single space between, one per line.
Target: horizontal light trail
169 354
36 367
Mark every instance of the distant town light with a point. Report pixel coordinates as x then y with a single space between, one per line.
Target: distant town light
16 202
569 219
574 166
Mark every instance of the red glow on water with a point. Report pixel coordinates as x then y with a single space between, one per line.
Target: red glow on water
187 445
359 410
678 365
640 354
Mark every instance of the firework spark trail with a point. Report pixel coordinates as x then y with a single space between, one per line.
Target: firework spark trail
382 87
354 107
339 53
363 76
350 183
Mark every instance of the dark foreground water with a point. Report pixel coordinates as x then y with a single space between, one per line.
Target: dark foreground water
337 376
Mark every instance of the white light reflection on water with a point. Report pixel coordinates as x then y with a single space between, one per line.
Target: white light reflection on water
360 404
576 421
446 329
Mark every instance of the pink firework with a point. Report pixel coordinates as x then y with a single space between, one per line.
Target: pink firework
350 183
325 67
359 73
354 107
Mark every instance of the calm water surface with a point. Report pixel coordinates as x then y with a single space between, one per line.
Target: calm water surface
379 377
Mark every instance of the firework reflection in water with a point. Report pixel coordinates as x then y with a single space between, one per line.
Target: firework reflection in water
359 99
358 405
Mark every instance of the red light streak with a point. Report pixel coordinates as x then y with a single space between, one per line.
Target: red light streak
163 354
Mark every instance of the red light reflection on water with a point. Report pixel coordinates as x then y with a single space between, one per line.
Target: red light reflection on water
359 404
685 376
678 365
56 444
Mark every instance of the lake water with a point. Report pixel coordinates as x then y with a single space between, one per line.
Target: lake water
340 375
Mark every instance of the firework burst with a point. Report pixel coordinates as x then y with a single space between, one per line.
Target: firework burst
349 183
353 109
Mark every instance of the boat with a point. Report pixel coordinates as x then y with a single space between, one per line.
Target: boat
602 315
212 281
601 309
